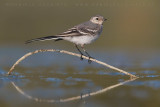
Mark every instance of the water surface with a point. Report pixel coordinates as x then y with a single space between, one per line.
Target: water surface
45 77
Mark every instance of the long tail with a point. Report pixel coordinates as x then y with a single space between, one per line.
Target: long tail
56 38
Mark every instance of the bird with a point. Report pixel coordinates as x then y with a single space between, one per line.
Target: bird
81 34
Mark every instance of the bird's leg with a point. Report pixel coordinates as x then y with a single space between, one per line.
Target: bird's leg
79 52
89 61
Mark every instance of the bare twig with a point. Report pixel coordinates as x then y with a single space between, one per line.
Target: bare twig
69 53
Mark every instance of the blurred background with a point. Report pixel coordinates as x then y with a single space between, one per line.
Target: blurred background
131 23
130 41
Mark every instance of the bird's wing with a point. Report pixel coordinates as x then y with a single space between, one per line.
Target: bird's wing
70 32
80 30
87 30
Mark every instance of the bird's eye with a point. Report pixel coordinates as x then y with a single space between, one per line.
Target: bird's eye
97 18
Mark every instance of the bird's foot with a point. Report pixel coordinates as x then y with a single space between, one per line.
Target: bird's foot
89 61
81 58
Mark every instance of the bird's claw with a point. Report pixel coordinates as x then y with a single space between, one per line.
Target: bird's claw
89 61
81 58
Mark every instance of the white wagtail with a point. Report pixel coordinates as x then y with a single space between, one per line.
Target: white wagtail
81 34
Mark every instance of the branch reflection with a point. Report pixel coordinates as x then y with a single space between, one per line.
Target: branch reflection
70 98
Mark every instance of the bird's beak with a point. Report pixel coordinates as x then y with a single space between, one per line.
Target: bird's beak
105 19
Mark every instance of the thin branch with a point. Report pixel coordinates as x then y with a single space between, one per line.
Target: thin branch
69 53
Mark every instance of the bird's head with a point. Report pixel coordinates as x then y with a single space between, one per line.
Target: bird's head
98 19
